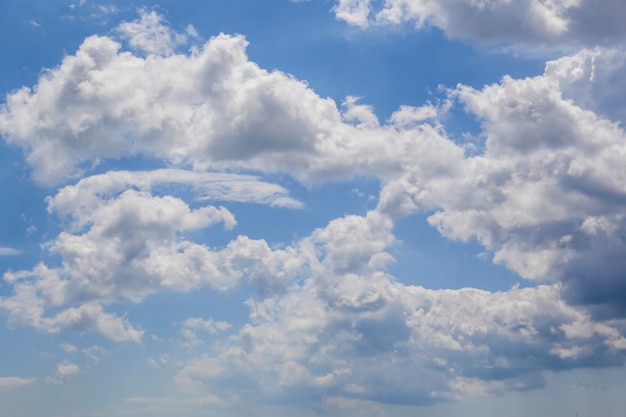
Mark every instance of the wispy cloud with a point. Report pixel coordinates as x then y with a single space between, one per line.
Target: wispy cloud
15 382
5 251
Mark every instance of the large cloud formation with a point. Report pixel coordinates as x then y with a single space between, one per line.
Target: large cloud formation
544 193
548 22
350 330
122 242
547 193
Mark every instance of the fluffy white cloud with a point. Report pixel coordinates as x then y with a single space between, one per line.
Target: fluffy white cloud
351 330
192 325
123 243
31 300
526 21
150 34
546 194
593 79
10 382
355 12
223 111
66 371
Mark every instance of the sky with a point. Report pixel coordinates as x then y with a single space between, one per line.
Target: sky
314 208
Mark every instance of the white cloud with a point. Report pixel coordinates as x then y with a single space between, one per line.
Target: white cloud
123 248
593 78
350 329
4 251
68 348
222 112
547 193
10 382
125 244
65 373
192 325
86 194
162 360
546 196
95 352
409 116
150 34
355 12
565 22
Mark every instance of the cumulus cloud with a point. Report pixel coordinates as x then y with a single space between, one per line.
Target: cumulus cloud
150 34
66 372
192 325
565 22
123 244
355 12
353 331
68 348
28 305
223 111
10 382
593 78
546 192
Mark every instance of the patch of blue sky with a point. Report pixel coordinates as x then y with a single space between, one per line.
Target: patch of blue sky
161 315
425 258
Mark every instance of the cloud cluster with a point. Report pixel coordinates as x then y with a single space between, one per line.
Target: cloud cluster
544 193
151 35
544 22
350 330
211 109
66 371
193 325
121 243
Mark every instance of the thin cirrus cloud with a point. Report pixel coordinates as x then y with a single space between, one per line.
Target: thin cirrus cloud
544 193
4 251
11 382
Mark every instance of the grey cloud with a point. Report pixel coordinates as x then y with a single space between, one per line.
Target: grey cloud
531 22
547 195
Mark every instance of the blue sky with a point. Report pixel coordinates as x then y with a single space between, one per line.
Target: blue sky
314 208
